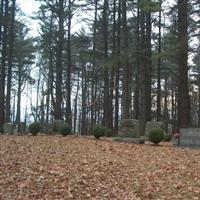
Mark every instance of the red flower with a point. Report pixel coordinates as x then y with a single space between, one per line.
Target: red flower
177 135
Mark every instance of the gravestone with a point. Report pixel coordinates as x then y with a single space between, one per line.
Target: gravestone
190 137
129 128
150 125
8 128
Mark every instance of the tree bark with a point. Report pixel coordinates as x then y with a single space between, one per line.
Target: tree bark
18 114
76 105
126 100
137 75
94 77
105 68
59 61
117 74
159 68
1 20
148 66
83 117
183 92
3 66
142 108
69 62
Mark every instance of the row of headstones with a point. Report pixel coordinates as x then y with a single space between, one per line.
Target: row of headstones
188 137
129 128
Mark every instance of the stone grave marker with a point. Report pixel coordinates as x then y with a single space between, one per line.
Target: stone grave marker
190 137
150 125
8 128
129 128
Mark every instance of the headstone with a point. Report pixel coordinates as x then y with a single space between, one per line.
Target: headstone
190 137
129 128
8 128
150 125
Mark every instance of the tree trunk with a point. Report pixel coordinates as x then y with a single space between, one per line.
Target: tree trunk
1 21
76 105
18 114
142 108
3 66
94 77
110 117
117 68
158 68
50 73
126 100
83 118
69 62
165 112
59 61
148 66
105 68
199 105
137 75
183 95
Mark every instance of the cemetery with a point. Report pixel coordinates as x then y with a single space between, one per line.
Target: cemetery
82 167
99 100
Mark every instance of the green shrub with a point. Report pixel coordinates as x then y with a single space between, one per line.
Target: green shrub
108 132
65 129
34 128
156 135
167 137
98 131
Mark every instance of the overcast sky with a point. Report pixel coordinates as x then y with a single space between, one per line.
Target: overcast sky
28 7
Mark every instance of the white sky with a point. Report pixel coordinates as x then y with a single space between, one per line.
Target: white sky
28 7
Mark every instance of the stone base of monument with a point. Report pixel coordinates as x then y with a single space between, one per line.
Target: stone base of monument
140 140
190 137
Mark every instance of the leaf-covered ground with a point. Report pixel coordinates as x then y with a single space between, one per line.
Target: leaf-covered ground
53 167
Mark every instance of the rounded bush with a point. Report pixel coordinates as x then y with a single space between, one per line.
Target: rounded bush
156 135
34 128
65 129
98 131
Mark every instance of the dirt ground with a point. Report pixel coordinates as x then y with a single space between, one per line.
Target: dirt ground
55 167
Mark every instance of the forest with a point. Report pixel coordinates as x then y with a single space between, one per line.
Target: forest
137 59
